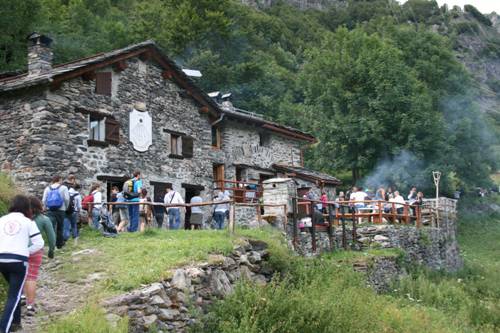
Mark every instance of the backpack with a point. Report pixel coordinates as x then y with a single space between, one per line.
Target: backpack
128 190
87 200
71 205
54 199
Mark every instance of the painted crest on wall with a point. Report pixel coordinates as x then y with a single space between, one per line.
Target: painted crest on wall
141 131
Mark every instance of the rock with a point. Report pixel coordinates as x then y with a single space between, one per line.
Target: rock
254 257
215 259
220 284
84 252
168 314
380 238
260 280
156 300
364 240
180 280
113 319
194 272
229 262
153 289
95 277
258 245
244 260
150 320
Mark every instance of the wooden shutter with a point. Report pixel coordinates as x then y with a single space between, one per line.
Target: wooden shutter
112 131
103 83
187 147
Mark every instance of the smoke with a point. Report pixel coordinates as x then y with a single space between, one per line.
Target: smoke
401 171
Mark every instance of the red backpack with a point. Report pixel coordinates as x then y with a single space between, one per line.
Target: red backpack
87 200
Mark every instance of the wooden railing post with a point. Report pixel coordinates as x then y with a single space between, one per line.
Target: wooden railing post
354 235
342 220
313 229
331 217
294 222
418 211
231 218
380 216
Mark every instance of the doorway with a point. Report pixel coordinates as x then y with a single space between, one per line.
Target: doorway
108 182
190 191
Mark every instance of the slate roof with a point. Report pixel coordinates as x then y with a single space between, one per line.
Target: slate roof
307 174
80 66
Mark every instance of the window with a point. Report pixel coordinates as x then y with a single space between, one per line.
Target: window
97 128
103 131
175 141
264 139
181 145
103 83
216 137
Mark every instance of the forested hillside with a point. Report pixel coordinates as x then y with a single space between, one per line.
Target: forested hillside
382 85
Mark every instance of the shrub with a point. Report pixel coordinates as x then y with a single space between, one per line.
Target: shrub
478 15
466 27
7 191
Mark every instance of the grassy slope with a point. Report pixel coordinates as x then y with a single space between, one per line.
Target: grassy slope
322 295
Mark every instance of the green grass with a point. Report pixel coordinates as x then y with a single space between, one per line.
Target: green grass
309 295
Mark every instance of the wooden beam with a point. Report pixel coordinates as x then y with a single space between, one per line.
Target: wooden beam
88 76
120 65
55 86
289 133
145 56
204 109
167 75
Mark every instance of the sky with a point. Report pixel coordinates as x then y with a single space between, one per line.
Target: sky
484 6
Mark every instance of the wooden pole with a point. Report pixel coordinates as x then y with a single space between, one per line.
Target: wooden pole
354 235
294 219
231 218
380 217
313 229
344 234
285 218
331 217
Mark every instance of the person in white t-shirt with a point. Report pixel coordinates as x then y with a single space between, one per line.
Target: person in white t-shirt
19 237
398 198
358 197
174 213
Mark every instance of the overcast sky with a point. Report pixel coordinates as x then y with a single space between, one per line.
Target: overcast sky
485 6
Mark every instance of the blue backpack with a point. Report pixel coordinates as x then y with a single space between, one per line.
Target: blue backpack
54 199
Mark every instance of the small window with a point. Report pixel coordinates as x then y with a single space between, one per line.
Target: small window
103 83
216 137
264 139
181 145
97 128
103 131
175 141
187 147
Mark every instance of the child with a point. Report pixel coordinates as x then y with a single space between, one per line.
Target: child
120 212
144 210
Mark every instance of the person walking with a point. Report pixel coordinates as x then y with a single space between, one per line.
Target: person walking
220 210
35 260
120 211
73 213
19 237
174 213
56 200
131 191
145 211
196 212
95 191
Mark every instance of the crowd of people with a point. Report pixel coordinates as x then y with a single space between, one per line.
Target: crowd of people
31 223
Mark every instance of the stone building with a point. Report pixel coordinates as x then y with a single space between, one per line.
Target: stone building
104 116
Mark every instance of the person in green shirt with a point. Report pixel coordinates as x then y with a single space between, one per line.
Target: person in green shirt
47 230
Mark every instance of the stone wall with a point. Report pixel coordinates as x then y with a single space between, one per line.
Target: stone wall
176 303
240 145
436 248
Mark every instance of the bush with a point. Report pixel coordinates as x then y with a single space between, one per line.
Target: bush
465 27
478 15
7 191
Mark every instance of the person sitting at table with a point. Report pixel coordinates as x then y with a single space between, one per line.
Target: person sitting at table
358 197
380 194
398 198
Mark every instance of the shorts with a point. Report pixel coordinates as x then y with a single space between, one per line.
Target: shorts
34 263
196 218
120 215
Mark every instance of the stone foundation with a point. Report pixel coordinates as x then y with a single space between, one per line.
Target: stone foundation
175 304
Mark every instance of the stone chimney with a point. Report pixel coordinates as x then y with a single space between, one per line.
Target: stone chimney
39 54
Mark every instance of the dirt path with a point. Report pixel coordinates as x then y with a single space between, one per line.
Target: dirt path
55 296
